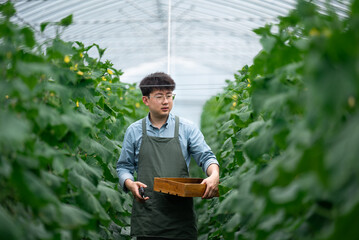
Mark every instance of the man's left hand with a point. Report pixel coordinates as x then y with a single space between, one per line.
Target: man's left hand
212 181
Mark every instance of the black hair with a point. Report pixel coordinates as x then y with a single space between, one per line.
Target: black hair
156 81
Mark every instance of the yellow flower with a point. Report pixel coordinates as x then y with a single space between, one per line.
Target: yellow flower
137 105
234 104
108 89
80 73
248 80
314 32
67 59
109 71
77 104
7 96
327 32
234 97
248 85
81 55
75 68
351 101
103 78
110 81
121 98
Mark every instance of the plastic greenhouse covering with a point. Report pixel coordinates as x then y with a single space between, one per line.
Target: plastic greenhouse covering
273 87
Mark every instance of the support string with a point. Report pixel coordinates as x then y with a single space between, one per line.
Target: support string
169 39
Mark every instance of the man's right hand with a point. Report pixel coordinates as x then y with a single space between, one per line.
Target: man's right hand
134 188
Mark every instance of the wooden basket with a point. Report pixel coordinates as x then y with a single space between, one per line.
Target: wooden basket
183 187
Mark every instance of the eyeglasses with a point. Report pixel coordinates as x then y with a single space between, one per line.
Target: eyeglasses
161 98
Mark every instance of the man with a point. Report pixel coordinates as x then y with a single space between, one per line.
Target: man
161 145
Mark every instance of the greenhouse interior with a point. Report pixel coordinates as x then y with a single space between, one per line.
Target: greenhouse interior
266 92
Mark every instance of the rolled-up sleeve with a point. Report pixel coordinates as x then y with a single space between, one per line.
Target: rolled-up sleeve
200 150
126 162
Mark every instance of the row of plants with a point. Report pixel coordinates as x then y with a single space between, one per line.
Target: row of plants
286 133
63 114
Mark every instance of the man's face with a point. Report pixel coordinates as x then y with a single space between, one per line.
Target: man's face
160 103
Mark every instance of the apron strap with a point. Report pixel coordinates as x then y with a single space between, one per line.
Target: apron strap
144 132
177 127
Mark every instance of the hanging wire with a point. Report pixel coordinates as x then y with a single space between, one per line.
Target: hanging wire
194 86
169 38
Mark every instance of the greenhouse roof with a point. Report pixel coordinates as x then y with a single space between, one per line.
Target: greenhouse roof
200 43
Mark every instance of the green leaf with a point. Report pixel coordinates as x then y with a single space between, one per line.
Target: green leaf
93 173
28 36
259 145
227 127
223 189
253 127
7 9
345 225
14 130
93 147
263 30
47 115
284 194
268 43
110 195
38 188
101 51
91 204
8 227
66 21
78 123
81 182
35 229
43 26
61 163
271 221
233 223
30 70
71 217
51 179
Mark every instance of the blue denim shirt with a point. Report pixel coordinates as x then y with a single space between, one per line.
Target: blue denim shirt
191 140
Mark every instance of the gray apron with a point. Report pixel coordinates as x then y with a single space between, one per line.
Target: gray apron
162 215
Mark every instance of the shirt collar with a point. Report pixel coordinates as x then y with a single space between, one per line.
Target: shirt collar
170 118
